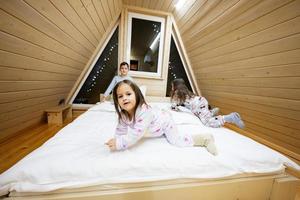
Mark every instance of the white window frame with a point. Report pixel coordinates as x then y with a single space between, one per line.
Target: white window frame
158 73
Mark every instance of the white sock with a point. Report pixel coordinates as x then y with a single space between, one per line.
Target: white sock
235 119
207 141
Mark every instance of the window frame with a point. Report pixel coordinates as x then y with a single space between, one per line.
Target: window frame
162 20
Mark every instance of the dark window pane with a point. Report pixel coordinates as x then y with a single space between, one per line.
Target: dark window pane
176 68
101 75
145 38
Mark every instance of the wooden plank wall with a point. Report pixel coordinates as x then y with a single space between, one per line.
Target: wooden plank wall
245 55
44 46
246 58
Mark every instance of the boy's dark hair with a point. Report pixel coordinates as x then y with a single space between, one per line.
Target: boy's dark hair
180 91
140 100
124 63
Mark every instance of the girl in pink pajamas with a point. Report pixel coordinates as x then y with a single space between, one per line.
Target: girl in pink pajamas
181 96
137 120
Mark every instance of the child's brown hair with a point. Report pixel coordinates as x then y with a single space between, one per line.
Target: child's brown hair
140 100
179 91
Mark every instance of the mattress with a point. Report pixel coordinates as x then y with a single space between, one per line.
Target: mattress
76 157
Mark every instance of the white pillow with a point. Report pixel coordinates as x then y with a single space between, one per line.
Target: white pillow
105 106
143 89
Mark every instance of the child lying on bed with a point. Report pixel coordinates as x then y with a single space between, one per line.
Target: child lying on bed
181 96
137 119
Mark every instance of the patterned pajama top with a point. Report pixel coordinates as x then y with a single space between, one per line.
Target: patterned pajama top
199 106
149 122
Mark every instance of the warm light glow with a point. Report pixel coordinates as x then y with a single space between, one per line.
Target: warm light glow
179 4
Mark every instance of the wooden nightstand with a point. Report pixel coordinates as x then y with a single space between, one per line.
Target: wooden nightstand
58 114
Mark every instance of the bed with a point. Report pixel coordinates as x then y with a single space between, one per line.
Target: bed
75 164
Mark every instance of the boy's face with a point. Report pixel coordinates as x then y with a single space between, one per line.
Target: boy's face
123 70
126 98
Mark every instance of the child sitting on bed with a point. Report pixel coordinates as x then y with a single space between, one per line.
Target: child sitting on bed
123 75
181 96
137 120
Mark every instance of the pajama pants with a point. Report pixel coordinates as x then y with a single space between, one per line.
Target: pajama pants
171 132
200 108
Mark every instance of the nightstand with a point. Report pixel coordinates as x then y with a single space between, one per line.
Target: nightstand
58 114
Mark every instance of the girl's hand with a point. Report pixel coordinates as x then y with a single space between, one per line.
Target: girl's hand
111 144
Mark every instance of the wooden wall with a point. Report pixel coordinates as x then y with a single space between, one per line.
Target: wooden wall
246 58
44 46
245 55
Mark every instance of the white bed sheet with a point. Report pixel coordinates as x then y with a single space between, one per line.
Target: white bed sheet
77 157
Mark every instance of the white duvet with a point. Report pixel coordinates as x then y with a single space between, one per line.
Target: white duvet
77 157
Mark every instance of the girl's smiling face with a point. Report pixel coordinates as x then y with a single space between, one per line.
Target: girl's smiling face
126 98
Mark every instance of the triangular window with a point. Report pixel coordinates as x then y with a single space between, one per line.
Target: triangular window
101 75
176 68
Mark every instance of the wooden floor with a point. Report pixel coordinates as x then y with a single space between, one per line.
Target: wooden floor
18 146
